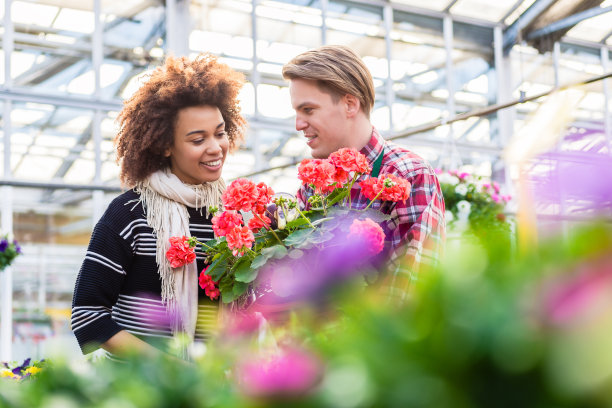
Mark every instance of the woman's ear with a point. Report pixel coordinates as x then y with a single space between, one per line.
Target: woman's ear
352 105
168 152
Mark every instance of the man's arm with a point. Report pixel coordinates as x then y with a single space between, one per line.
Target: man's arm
417 232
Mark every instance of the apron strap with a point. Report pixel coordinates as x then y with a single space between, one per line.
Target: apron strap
377 164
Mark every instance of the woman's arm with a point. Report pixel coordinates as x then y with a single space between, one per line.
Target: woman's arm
125 343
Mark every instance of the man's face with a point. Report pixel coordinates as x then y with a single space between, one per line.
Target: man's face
323 121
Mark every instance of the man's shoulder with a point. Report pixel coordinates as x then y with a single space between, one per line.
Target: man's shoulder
404 162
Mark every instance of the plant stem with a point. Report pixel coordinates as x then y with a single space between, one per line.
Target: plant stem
374 199
306 218
267 227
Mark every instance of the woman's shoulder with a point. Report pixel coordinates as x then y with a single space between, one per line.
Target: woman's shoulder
123 210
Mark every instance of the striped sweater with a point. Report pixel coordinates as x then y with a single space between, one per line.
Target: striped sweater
118 286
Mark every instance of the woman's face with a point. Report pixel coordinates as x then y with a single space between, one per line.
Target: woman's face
200 144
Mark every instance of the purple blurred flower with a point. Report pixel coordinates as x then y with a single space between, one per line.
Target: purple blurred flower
243 323
317 271
291 372
17 247
578 179
3 245
17 370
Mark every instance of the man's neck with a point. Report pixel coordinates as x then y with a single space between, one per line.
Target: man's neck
362 132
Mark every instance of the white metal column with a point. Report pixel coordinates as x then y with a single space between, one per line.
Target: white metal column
6 205
178 27
605 63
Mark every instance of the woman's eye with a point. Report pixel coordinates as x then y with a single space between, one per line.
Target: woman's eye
197 141
222 134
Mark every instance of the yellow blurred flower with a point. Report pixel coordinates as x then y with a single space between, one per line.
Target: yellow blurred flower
33 370
4 373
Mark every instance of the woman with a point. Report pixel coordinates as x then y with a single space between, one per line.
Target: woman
175 134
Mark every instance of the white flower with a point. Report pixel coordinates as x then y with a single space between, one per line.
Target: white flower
464 207
461 189
448 179
448 216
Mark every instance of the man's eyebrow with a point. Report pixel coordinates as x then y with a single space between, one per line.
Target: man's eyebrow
301 105
220 125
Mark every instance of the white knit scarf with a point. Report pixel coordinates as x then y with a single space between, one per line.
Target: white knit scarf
165 199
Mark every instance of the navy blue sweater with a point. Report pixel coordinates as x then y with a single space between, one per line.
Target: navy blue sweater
119 287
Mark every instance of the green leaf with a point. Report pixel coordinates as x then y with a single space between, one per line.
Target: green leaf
276 251
239 289
319 236
298 222
218 267
243 271
259 261
337 195
226 287
298 237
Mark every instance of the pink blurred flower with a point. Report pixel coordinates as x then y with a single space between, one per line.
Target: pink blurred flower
289 373
495 197
370 232
463 175
438 170
570 299
496 186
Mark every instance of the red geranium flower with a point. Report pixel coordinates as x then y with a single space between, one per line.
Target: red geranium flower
317 172
390 187
350 160
255 224
180 252
224 222
209 285
239 239
370 187
242 195
371 233
264 195
395 188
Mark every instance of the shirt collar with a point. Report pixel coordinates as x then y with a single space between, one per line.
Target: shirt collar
374 147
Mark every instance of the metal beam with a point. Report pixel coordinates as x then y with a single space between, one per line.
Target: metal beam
568 22
512 32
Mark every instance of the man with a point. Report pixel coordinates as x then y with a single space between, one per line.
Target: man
332 92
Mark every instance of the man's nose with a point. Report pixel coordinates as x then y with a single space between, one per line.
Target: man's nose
300 124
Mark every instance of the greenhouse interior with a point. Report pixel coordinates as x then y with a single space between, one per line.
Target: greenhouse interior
508 101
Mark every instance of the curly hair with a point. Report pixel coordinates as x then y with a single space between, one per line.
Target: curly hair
147 120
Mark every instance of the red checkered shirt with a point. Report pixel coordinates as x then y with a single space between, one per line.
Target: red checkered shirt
416 230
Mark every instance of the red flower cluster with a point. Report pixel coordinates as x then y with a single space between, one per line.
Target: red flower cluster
390 187
209 285
180 252
242 194
225 222
350 160
327 174
371 233
238 239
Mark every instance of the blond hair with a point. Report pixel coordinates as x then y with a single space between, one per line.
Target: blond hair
337 70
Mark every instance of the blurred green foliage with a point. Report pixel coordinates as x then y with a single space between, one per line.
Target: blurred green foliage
489 328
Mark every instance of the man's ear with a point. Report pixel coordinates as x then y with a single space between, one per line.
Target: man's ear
352 105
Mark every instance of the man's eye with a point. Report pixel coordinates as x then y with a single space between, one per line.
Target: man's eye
307 110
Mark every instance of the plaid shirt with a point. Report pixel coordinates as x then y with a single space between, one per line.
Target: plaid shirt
416 229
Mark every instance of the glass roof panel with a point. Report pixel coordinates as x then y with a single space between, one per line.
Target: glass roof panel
438 5
593 29
482 9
